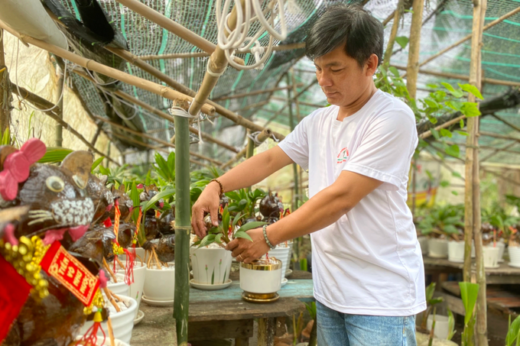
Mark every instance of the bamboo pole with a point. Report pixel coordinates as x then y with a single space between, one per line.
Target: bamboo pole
258 92
462 77
393 33
298 118
158 112
262 137
296 197
254 105
5 94
465 38
414 47
511 125
500 150
43 104
59 106
158 140
204 54
496 135
217 65
182 230
108 71
472 187
442 126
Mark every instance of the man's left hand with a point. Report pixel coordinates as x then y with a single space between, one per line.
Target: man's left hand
247 251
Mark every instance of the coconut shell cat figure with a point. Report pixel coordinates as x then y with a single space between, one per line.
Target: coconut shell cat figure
44 204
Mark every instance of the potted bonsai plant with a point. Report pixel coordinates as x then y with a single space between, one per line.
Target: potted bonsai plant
211 263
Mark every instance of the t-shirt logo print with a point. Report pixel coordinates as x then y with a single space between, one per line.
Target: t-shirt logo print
342 156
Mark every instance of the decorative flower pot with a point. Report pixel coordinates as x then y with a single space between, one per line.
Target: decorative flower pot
122 322
441 326
159 283
260 280
136 289
514 256
456 251
501 248
211 266
120 288
437 248
423 241
283 253
490 255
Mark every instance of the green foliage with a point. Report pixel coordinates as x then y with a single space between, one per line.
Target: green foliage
165 194
311 308
431 302
402 41
513 332
96 163
451 325
54 155
443 220
116 175
245 201
469 294
5 138
165 169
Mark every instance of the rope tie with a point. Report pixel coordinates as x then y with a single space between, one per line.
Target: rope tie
181 112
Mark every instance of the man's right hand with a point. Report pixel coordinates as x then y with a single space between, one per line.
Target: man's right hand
208 202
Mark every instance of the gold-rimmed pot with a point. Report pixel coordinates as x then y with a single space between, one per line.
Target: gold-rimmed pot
261 279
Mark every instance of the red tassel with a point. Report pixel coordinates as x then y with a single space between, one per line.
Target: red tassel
107 222
129 265
90 337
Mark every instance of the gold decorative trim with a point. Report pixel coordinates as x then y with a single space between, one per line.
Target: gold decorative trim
257 265
260 298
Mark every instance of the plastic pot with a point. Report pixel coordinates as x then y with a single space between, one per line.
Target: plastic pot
136 288
514 255
441 326
159 283
423 241
437 248
490 255
456 251
283 253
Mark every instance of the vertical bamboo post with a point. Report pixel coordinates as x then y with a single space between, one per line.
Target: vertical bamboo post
59 104
393 33
5 95
472 185
298 118
296 198
412 69
182 229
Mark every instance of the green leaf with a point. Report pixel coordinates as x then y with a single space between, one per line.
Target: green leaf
513 331
402 41
452 90
455 105
236 219
469 294
453 150
455 193
451 325
134 195
251 225
96 163
462 133
429 292
461 123
472 90
209 239
311 308
225 219
445 133
244 235
394 71
218 238
470 109
435 134
431 103
55 154
432 86
163 194
445 183
456 174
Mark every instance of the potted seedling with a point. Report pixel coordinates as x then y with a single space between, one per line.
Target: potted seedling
439 226
159 280
211 262
514 247
440 324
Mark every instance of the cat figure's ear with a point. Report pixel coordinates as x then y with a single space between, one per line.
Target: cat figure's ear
79 163
5 150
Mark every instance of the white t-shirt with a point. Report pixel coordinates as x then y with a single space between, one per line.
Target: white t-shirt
369 261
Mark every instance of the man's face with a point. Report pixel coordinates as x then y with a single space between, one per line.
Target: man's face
341 78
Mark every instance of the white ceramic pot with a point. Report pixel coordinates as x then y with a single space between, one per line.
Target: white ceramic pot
122 322
501 248
136 289
514 255
437 248
210 266
159 283
260 278
283 253
107 341
441 326
120 288
490 255
456 251
423 241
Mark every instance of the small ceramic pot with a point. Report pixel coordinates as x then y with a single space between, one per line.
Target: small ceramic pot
283 253
490 255
261 278
210 266
122 322
441 326
514 255
120 288
136 288
501 248
423 241
159 283
437 248
456 251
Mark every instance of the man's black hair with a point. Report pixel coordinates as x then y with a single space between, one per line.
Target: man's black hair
362 33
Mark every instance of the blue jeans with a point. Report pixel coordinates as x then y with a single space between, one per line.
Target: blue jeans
339 329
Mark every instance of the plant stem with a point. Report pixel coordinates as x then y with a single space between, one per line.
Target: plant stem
182 233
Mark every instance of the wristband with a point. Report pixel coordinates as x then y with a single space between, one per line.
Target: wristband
221 188
271 246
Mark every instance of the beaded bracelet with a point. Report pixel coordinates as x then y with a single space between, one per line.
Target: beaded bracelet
271 246
221 188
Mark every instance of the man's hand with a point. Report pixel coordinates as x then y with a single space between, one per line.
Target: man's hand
247 251
208 202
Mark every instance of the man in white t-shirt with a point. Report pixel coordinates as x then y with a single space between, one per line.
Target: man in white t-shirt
366 260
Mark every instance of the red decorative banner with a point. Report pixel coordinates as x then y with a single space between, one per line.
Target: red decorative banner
70 272
14 291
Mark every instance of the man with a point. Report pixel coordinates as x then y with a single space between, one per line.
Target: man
367 264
